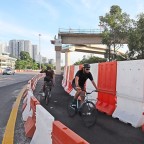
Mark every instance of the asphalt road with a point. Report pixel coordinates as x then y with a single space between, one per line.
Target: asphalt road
107 129
10 86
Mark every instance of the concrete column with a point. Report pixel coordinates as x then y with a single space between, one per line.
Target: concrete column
67 58
58 47
58 62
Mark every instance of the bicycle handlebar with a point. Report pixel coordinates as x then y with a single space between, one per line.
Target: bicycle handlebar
90 92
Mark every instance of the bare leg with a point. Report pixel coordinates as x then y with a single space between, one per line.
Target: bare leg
82 94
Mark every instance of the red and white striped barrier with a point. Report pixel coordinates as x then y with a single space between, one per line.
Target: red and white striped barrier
121 89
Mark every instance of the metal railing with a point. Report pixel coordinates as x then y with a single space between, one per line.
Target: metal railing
80 31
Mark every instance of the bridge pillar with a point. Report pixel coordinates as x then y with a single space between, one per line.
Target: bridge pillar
58 47
67 58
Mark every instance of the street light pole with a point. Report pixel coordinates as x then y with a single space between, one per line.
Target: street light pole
39 52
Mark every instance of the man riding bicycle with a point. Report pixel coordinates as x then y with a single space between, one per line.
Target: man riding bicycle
49 78
79 81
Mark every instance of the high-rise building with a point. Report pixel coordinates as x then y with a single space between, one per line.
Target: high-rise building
16 46
20 46
13 50
44 60
51 61
28 47
3 47
35 51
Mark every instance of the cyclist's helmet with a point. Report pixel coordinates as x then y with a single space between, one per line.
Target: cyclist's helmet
86 65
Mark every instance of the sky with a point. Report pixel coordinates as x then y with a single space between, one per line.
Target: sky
26 19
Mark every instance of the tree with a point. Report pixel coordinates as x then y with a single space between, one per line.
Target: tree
136 39
90 59
116 25
24 55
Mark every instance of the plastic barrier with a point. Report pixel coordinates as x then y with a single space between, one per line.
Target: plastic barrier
89 85
64 76
44 122
67 78
25 93
76 68
106 103
130 92
67 72
29 125
26 111
143 127
107 73
69 87
63 135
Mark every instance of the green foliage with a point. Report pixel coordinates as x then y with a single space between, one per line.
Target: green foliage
116 25
25 62
91 59
136 39
24 55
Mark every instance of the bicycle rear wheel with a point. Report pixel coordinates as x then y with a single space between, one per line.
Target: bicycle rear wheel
47 96
71 110
88 113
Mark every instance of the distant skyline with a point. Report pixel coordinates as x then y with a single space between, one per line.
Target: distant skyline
26 19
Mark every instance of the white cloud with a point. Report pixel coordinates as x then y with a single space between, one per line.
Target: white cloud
51 10
12 28
18 32
140 7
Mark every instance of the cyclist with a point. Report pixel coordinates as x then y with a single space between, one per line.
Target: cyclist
79 81
50 77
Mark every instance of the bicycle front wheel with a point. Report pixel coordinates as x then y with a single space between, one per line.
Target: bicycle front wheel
71 110
88 113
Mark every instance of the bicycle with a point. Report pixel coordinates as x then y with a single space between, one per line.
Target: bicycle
48 87
87 110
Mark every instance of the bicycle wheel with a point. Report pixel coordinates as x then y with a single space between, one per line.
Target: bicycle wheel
47 96
71 110
88 113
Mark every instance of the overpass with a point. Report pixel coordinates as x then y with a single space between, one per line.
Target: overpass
89 41
80 38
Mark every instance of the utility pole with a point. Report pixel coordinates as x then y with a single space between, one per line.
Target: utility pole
39 53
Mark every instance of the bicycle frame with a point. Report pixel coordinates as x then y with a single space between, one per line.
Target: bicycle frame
87 94
86 110
48 86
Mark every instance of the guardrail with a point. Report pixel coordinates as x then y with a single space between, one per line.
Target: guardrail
80 31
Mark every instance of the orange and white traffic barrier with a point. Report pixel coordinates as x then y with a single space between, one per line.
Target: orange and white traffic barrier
25 93
130 92
64 76
44 123
89 85
29 125
27 111
76 68
107 76
143 127
63 135
69 87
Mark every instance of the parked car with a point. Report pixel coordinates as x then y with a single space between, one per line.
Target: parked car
8 72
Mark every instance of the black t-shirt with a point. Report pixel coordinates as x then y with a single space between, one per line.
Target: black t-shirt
83 77
49 75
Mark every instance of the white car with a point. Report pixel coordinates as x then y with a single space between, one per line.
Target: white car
8 72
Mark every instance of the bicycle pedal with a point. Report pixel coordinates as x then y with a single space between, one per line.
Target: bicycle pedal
73 107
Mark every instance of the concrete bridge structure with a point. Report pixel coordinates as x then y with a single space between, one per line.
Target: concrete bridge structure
88 41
